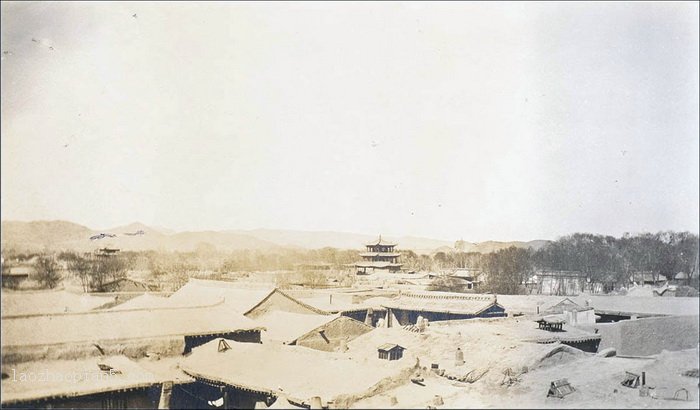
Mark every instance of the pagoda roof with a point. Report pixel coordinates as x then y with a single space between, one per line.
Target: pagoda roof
380 265
388 254
380 241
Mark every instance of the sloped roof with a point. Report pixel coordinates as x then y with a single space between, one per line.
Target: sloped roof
291 298
340 305
565 304
145 301
268 367
16 303
552 319
60 378
387 254
17 270
445 302
681 275
286 326
122 325
465 273
389 346
199 291
340 318
380 241
379 265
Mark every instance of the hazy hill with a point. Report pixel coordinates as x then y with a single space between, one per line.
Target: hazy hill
38 235
341 240
62 235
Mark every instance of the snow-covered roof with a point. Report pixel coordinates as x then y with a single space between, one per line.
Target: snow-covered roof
445 302
310 308
268 367
122 325
145 301
199 291
49 302
286 326
73 378
389 346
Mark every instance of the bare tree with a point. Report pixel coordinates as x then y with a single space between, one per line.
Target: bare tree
82 268
47 271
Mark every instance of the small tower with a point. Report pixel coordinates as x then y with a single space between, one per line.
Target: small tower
379 255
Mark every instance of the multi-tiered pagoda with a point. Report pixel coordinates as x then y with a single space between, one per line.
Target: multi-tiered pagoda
379 256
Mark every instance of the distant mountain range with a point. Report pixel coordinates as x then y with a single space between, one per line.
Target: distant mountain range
63 235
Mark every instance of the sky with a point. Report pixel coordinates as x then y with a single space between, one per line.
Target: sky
474 121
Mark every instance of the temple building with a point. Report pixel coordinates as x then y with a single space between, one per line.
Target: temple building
379 255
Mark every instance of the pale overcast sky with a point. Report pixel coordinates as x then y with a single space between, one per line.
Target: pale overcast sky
510 121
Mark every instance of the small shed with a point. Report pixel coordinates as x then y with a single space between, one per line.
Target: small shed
13 276
560 388
390 351
552 323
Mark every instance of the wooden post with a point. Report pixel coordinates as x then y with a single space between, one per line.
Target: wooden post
166 390
224 395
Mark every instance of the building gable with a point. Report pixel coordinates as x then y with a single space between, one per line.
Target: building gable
278 300
331 335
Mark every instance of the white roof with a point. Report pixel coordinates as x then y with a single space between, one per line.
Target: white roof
16 303
145 301
286 326
198 292
122 325
447 302
267 367
73 378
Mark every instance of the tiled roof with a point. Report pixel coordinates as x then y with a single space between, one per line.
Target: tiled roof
380 265
380 241
443 302
122 325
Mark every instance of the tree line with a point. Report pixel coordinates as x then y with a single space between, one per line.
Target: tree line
599 258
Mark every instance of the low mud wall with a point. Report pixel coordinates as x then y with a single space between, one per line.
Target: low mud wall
649 336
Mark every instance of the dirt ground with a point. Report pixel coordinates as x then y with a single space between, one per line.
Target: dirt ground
518 371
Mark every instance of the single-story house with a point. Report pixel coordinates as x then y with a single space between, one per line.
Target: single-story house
390 351
13 276
647 278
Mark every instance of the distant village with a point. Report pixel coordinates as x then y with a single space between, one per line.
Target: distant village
375 326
